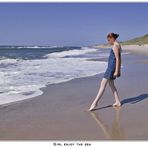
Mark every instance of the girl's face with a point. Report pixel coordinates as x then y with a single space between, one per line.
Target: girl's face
111 40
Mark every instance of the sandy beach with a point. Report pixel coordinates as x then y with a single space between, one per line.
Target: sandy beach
61 112
138 49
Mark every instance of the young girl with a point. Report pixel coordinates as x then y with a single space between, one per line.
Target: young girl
112 71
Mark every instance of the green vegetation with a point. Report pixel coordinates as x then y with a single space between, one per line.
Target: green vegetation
137 41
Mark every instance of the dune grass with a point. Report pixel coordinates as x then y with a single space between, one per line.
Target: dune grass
137 41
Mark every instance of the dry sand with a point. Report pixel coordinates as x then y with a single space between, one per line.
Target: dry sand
61 112
140 49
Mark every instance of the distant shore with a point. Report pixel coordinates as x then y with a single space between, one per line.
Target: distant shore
138 49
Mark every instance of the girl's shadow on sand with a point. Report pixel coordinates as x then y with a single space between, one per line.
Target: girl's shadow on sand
132 100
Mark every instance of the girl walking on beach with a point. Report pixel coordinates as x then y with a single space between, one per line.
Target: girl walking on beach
112 71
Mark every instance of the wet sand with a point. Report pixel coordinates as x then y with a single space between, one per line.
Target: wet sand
61 112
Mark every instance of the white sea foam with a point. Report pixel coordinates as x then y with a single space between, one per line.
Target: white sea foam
22 79
73 52
8 61
19 47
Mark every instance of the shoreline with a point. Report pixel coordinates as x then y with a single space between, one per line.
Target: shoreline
135 49
131 49
61 112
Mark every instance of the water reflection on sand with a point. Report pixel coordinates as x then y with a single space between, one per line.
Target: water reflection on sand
113 132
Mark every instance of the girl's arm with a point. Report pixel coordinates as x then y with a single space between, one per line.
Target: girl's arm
116 50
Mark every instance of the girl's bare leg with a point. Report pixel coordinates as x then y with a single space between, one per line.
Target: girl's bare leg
100 93
115 93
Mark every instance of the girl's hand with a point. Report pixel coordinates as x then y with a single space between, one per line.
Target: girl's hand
117 74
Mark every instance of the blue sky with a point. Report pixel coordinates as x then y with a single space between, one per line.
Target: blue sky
76 24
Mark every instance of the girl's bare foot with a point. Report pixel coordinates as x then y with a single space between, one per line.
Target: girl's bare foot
92 106
117 104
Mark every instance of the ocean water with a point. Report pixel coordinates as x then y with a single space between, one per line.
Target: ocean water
25 70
